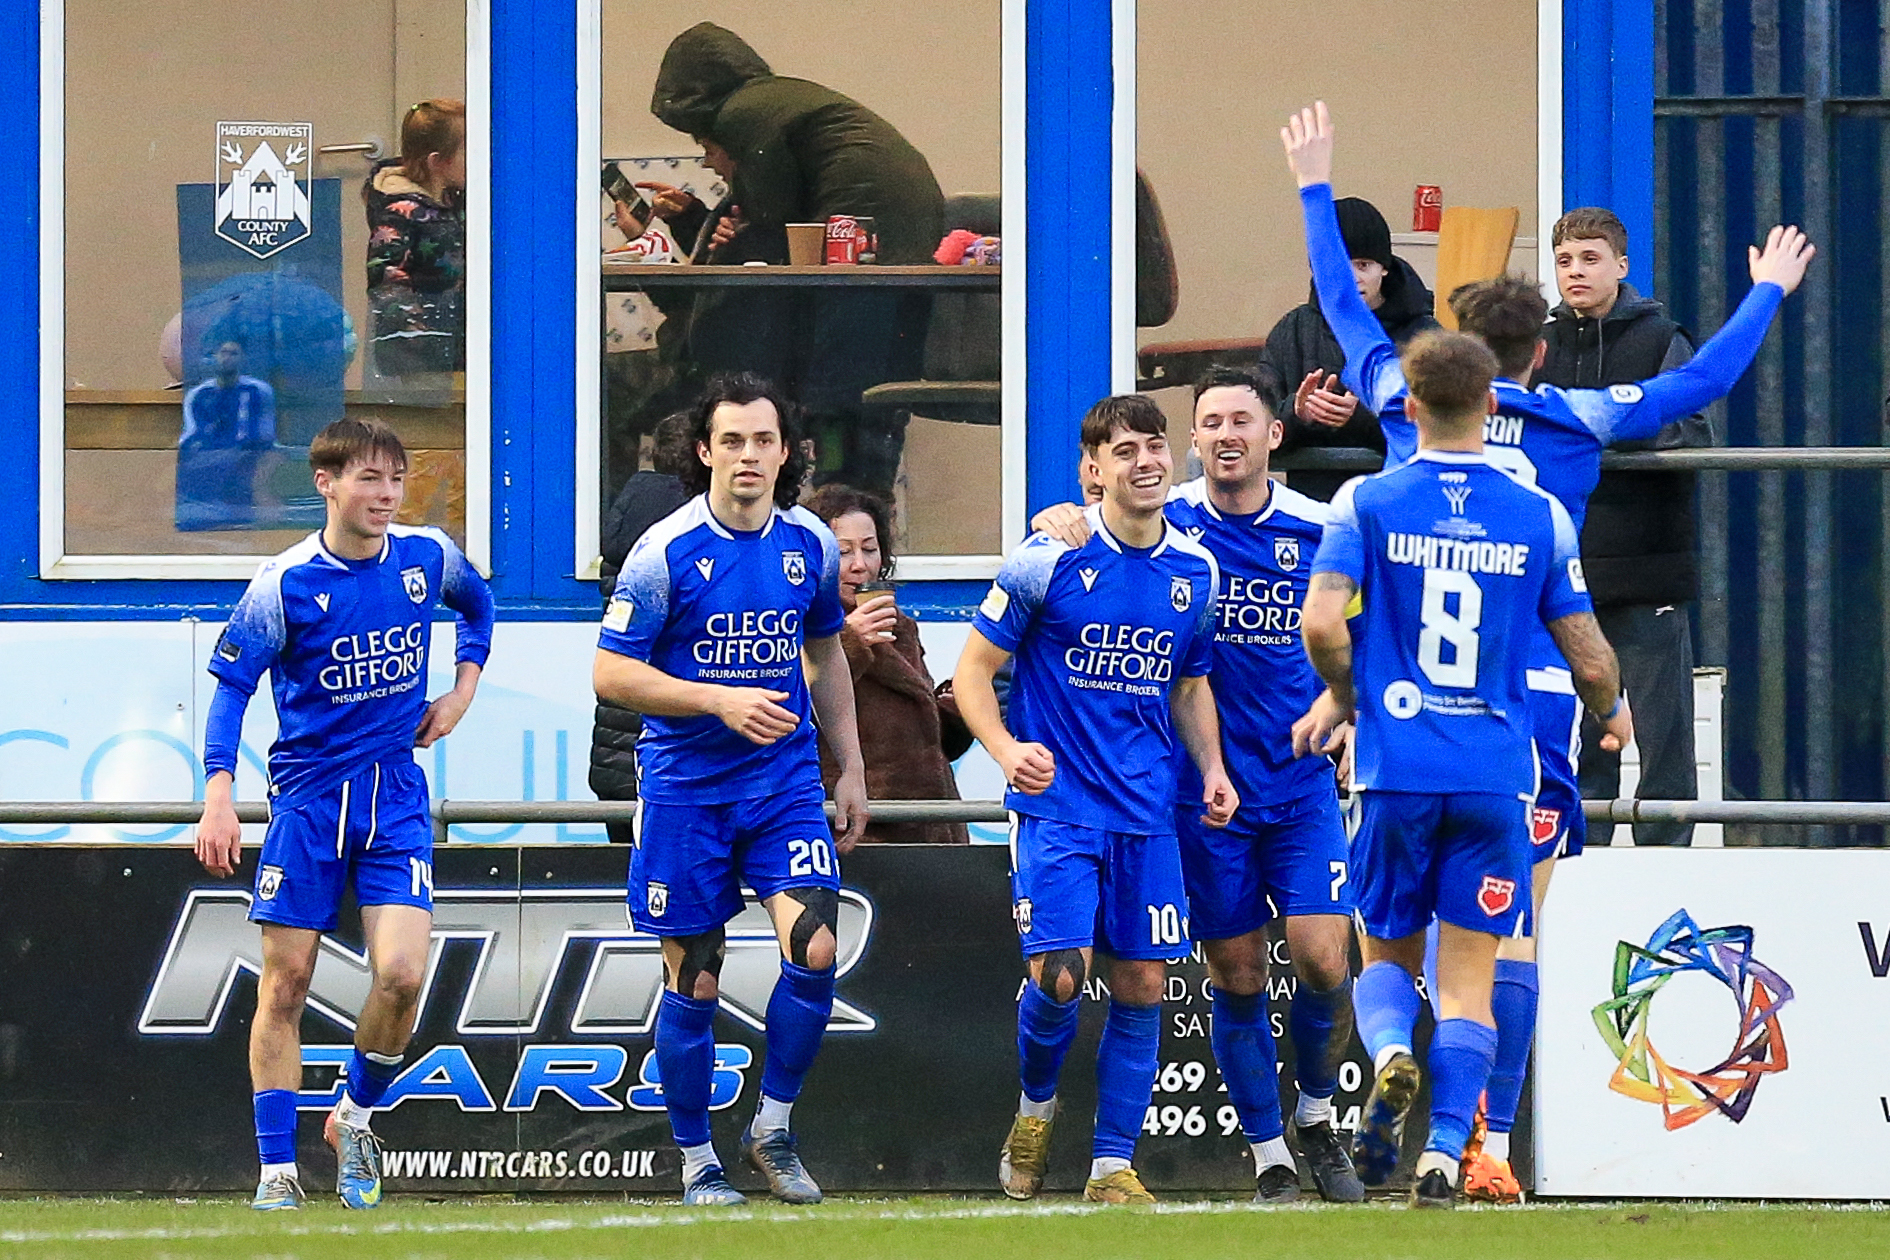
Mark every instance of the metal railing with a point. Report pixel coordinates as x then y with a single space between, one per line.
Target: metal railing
447 813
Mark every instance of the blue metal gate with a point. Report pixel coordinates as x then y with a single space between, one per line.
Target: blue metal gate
1770 111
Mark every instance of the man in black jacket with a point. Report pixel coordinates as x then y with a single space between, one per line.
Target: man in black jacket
1638 544
1300 366
646 498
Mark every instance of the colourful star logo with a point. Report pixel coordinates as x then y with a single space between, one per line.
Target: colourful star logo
1758 1049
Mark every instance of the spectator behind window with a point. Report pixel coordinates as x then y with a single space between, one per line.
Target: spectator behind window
416 254
794 151
893 695
1638 547
1302 361
646 498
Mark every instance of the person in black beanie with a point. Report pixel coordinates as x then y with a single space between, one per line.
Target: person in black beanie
1300 366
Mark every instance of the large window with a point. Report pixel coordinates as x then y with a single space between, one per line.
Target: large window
732 260
247 255
1452 105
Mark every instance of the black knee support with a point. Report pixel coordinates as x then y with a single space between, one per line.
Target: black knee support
820 908
700 954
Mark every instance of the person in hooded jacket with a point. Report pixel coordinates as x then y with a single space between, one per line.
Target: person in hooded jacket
798 152
416 253
1300 366
1638 544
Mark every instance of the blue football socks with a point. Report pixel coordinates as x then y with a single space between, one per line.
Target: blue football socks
1045 1029
797 1019
1386 999
275 1126
1514 1002
1311 1022
685 1059
1126 1063
1243 1047
1462 1051
369 1075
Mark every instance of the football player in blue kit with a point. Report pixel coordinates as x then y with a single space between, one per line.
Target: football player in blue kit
1552 438
1286 850
717 607
340 622
1455 561
1113 642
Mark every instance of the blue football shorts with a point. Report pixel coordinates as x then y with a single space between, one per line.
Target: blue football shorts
1290 859
373 829
1461 857
1556 826
1074 887
691 861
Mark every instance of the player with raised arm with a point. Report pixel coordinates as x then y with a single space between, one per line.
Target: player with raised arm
1549 437
718 606
340 622
1456 562
1286 850
1113 642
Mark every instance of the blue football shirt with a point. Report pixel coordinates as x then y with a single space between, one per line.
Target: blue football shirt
1458 563
1548 436
703 602
1263 681
345 645
1100 634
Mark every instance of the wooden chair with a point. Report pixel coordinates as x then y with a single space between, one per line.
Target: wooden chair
1472 244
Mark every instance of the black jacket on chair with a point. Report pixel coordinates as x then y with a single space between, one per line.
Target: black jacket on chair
1638 545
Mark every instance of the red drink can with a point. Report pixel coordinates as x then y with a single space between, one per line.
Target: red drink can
1427 208
868 230
843 240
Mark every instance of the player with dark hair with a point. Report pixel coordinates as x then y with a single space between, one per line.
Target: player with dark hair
1113 643
1548 437
1457 563
1286 851
341 623
717 607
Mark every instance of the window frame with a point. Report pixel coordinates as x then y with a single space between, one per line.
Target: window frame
55 564
587 521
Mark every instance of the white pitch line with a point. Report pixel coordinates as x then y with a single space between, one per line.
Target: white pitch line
642 1220
659 1218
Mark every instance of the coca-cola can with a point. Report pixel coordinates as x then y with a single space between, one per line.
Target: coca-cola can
1427 208
843 240
868 229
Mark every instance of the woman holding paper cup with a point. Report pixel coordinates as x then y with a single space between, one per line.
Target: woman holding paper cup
901 729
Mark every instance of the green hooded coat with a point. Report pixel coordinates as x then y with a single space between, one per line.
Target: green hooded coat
802 151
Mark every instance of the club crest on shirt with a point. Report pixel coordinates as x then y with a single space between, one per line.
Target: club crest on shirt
1496 895
269 882
1181 593
1286 552
415 580
1021 912
1544 824
794 565
659 899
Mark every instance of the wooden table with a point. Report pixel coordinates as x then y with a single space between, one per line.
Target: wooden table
625 277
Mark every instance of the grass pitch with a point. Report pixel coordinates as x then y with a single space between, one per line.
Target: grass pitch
944 1227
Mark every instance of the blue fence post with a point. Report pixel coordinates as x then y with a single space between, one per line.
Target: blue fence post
1069 102
1608 119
